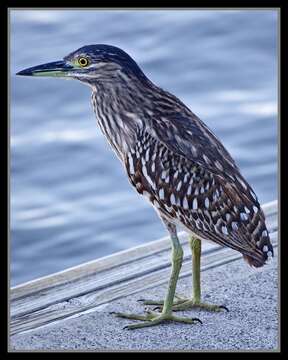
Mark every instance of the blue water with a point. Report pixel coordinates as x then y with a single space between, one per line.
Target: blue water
70 199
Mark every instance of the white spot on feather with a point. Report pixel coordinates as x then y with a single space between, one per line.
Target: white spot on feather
172 199
234 225
161 194
228 216
131 164
207 202
163 174
148 178
224 230
218 165
243 216
147 155
185 203
265 248
195 204
206 159
179 185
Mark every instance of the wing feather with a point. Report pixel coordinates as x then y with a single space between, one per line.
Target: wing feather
191 138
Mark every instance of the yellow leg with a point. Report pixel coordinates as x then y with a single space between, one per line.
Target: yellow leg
195 301
151 318
183 303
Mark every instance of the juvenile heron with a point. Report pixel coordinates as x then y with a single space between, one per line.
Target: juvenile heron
175 161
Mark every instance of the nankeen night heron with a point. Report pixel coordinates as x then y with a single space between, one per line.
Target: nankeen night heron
175 161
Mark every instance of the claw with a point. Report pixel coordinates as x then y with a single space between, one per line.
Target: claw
196 319
157 308
223 307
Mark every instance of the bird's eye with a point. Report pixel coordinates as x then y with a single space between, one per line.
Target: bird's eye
82 61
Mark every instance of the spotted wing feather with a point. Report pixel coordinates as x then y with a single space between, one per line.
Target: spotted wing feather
211 204
189 137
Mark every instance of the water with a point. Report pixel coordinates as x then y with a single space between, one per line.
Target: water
70 199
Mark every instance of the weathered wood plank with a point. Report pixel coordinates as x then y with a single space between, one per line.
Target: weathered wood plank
89 285
99 273
91 300
120 258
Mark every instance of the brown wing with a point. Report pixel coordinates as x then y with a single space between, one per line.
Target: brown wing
211 204
189 137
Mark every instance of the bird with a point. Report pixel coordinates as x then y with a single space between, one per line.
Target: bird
173 160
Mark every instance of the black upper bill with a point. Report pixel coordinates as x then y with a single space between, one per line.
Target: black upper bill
53 69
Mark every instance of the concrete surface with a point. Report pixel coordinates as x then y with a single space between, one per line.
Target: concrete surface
251 324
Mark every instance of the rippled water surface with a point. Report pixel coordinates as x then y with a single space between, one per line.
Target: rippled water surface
70 199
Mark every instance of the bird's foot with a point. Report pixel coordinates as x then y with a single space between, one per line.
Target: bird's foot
152 319
185 304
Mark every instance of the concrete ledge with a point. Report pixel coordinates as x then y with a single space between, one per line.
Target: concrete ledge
251 324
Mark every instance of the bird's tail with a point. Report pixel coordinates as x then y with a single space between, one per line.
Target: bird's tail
255 261
264 250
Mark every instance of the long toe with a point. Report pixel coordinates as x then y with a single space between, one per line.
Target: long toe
152 319
159 319
147 316
191 304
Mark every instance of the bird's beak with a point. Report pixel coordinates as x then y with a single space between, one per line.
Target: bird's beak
56 68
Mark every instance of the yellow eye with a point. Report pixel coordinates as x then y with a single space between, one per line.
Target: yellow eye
82 61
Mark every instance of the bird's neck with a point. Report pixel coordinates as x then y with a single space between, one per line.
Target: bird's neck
121 109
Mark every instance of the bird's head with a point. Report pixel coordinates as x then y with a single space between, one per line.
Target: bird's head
89 64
